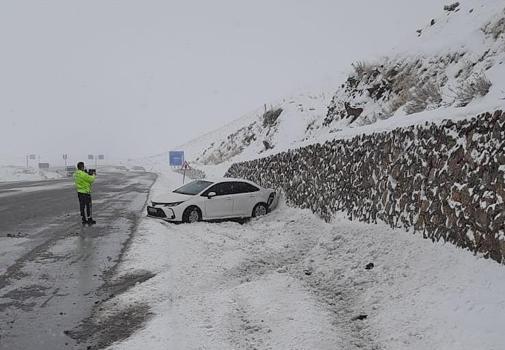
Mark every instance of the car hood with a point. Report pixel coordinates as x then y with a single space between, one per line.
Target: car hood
171 198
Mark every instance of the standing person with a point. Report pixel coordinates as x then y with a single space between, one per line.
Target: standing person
83 182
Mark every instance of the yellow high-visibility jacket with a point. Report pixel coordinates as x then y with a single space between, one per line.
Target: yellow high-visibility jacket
83 181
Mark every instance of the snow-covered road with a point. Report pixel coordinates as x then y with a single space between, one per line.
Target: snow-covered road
291 281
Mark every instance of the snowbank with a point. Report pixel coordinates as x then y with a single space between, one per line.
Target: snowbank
17 173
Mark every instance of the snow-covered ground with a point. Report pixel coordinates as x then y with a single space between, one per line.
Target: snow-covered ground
18 173
291 281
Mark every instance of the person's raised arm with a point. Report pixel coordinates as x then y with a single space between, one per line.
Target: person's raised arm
90 178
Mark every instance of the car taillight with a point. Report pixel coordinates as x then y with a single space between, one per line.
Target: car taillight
271 198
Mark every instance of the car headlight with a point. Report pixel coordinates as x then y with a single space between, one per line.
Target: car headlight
173 204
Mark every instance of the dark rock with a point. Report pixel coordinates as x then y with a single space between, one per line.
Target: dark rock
360 317
352 112
451 7
369 266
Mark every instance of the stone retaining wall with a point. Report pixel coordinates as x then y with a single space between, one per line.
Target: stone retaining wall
446 181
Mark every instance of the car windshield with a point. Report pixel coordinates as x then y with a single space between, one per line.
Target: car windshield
193 188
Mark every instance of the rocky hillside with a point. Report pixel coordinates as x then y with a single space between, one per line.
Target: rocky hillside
455 65
407 84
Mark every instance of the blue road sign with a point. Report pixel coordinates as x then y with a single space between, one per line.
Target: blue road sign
176 158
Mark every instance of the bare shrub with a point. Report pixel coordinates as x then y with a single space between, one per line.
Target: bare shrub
402 83
423 96
466 70
396 103
469 89
495 29
362 68
270 117
451 7
359 67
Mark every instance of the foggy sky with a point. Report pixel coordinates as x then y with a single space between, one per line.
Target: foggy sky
131 78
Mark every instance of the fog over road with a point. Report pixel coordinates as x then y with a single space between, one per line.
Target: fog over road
54 272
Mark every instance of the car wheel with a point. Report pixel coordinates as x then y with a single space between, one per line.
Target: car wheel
259 210
192 214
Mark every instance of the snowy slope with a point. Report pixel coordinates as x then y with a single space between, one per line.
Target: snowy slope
248 134
454 67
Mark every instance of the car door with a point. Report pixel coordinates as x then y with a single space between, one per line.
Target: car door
221 205
245 198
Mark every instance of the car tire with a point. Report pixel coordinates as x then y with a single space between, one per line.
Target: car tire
260 209
192 214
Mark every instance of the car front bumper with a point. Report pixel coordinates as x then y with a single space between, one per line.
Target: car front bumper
166 214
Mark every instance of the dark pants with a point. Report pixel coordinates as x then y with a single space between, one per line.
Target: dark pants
85 203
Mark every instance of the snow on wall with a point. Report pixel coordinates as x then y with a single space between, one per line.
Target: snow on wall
445 180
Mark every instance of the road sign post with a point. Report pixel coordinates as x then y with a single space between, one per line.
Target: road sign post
185 167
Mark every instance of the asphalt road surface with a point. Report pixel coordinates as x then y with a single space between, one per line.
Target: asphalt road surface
53 272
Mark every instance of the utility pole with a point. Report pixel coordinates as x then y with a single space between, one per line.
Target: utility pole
99 157
28 157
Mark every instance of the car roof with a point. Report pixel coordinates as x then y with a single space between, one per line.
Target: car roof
227 179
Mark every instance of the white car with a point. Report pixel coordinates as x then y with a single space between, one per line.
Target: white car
213 200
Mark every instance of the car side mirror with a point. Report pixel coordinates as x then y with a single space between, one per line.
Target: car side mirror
211 194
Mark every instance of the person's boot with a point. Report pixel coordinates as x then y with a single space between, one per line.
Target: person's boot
91 221
84 221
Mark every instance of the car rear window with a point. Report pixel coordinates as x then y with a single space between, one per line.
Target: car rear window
194 187
244 187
